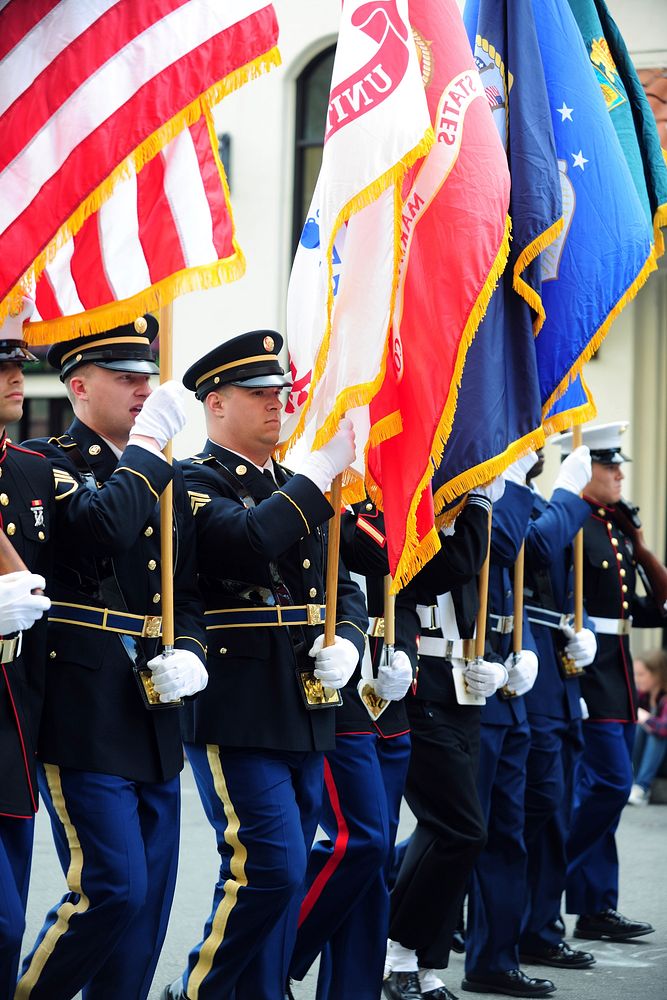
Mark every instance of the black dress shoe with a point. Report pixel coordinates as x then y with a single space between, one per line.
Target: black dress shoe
402 986
610 924
174 992
441 993
458 942
514 983
561 956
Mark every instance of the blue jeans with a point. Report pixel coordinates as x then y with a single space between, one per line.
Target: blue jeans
647 757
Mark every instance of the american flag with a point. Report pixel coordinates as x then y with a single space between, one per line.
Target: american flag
109 180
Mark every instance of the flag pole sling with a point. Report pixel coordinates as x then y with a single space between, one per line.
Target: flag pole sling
480 640
578 557
517 641
166 500
332 563
389 613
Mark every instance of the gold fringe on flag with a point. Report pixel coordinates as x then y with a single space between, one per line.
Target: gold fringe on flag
528 254
144 152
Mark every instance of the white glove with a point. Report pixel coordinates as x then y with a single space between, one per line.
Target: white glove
19 609
332 458
178 674
582 646
517 471
521 671
585 714
482 676
394 678
162 415
334 665
493 490
575 472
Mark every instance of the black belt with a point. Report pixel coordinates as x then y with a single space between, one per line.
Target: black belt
297 614
144 626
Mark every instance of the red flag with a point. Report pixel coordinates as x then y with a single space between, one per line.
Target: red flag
90 93
455 241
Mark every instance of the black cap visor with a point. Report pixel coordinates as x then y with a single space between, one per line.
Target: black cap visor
15 350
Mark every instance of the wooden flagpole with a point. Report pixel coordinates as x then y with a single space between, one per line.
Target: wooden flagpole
578 556
167 498
389 613
517 642
480 639
332 562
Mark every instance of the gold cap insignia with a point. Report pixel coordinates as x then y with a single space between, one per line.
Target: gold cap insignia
269 343
94 449
78 357
140 324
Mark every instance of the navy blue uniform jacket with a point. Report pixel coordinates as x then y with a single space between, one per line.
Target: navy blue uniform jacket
253 698
94 718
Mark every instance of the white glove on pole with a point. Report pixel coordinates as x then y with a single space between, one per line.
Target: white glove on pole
162 415
493 490
394 678
521 671
575 472
332 458
19 608
178 674
518 470
334 665
582 646
482 676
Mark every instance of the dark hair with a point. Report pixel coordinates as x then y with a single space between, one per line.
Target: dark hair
656 663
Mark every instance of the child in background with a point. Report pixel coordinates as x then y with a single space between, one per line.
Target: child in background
651 737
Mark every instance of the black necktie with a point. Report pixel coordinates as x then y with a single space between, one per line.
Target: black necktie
268 475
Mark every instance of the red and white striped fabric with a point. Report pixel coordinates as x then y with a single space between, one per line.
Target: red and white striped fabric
91 90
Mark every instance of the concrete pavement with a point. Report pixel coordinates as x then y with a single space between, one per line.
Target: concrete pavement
634 971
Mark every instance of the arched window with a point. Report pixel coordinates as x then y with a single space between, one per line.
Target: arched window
312 99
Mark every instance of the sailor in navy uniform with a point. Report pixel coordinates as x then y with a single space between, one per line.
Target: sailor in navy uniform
438 606
26 518
255 738
554 709
497 884
345 912
604 777
109 771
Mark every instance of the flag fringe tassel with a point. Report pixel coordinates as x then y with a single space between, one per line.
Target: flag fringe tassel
143 153
659 221
572 418
650 265
358 395
527 255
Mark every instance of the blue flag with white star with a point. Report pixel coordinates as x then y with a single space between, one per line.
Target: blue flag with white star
604 253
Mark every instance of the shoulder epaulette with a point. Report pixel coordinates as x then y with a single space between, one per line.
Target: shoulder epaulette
202 459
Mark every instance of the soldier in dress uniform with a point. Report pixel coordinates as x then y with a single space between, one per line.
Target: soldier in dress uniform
26 519
433 613
604 777
256 736
109 771
497 884
345 913
554 709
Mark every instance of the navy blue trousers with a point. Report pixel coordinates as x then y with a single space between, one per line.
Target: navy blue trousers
263 806
556 746
15 855
345 913
497 885
117 842
604 780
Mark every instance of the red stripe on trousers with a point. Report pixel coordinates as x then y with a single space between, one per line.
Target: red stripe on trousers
338 853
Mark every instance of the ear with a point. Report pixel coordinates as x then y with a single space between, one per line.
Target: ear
215 405
78 387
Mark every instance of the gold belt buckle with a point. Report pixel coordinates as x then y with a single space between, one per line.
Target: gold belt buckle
152 627
313 614
8 649
625 626
377 628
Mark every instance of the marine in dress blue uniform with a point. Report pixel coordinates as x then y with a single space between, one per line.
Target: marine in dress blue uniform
109 766
497 884
26 518
256 737
554 714
345 913
604 778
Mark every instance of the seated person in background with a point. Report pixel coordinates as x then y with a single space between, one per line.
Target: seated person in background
650 747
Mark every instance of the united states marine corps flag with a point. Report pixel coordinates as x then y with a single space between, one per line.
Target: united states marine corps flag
112 195
455 243
345 270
